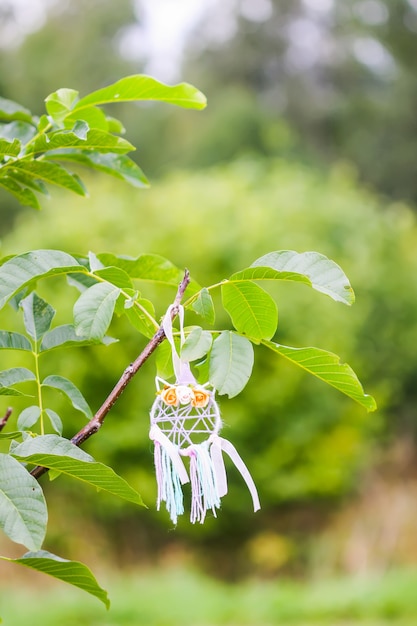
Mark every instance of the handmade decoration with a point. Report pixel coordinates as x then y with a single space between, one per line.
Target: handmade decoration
185 422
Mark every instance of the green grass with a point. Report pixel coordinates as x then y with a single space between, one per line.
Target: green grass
179 597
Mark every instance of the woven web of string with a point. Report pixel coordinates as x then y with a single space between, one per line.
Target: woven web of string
181 423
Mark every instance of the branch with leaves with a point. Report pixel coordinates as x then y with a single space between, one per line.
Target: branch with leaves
96 422
107 285
37 152
77 130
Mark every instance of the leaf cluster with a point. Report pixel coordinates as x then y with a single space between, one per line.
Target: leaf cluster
108 285
36 153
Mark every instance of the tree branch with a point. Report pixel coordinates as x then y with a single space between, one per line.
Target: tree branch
3 420
96 422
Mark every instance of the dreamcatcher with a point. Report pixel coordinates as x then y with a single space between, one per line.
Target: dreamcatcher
185 422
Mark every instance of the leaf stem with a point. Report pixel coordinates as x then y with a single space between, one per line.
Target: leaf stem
39 387
194 297
96 422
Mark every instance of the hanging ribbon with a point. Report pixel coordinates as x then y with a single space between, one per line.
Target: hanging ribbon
156 434
182 369
219 444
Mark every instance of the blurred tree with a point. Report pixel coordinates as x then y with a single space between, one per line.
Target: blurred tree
340 72
77 47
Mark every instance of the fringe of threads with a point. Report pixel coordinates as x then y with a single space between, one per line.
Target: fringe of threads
204 492
207 475
168 482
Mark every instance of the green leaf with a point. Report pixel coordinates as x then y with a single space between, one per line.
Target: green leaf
197 344
148 267
22 269
115 276
10 148
95 118
139 319
117 165
311 268
28 417
71 391
127 303
16 375
51 173
164 366
14 341
81 281
97 140
25 180
37 315
60 103
10 111
25 196
141 87
43 123
14 434
51 445
252 310
326 366
81 129
10 391
115 126
93 262
22 131
55 420
23 513
203 369
60 454
13 376
65 337
72 572
231 363
93 311
203 305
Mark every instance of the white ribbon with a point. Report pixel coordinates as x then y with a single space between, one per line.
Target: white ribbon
218 465
156 434
182 369
219 444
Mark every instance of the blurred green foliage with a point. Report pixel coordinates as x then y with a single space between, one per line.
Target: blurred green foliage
300 439
181 596
72 48
340 73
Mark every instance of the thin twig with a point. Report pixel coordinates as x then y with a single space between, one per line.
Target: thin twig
4 419
96 422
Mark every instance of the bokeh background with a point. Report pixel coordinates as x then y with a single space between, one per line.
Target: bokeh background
308 143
